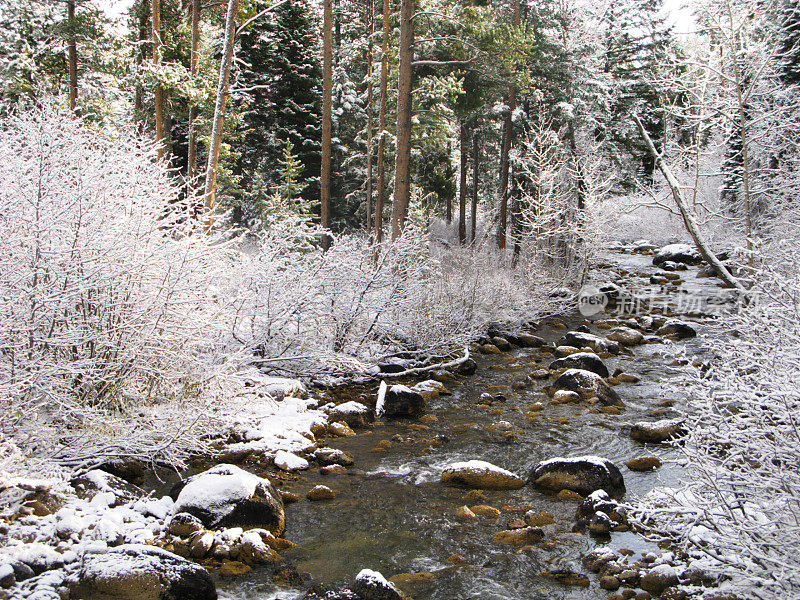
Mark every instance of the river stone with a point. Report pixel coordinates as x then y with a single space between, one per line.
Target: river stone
581 339
658 431
287 461
333 456
519 537
401 401
139 572
482 475
587 384
582 474
527 340
678 253
371 585
677 330
626 336
467 367
430 389
96 481
586 361
355 414
320 492
643 463
658 579
183 525
226 495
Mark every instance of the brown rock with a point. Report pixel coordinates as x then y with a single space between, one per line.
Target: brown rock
466 514
519 537
485 510
233 568
539 519
567 577
609 582
321 492
643 463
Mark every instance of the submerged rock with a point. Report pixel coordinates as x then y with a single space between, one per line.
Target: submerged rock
585 361
139 572
582 474
226 495
482 475
587 384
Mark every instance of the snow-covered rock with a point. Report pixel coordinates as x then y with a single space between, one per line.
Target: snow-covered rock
625 336
580 339
138 572
482 475
290 462
353 413
97 482
659 579
582 474
586 361
401 401
333 456
677 253
658 431
226 495
587 384
371 585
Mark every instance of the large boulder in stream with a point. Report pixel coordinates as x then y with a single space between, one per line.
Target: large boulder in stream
587 384
355 414
678 253
481 475
580 339
227 496
627 336
400 401
656 432
585 361
582 474
371 585
139 572
676 329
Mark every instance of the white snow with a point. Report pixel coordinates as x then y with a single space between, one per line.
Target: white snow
479 466
379 405
595 460
217 489
290 462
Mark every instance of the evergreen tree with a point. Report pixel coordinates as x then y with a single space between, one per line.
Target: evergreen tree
278 69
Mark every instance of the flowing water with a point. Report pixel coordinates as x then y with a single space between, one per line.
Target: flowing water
392 514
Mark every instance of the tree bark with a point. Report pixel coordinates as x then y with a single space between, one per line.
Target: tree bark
384 93
474 207
505 152
462 184
402 177
191 168
155 18
370 111
72 56
327 120
219 114
688 219
138 103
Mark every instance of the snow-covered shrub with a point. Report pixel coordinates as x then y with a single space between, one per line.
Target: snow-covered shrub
103 287
742 507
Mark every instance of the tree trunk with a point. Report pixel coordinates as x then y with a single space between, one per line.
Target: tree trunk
688 219
219 113
505 152
462 185
474 207
138 103
384 93
370 111
155 18
72 56
191 168
327 120
402 177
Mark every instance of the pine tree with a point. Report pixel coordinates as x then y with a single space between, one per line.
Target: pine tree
279 69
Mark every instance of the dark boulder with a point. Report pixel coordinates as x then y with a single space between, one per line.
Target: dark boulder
583 474
355 414
371 585
677 330
585 361
678 253
401 401
96 481
580 339
587 384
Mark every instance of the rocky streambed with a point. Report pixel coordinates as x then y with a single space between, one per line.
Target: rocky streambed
478 481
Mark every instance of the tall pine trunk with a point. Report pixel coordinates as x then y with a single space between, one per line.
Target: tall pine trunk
384 93
475 165
462 184
327 120
138 103
370 111
402 177
191 168
505 153
155 18
72 56
219 114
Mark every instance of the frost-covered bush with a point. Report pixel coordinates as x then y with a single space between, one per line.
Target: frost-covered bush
742 507
103 287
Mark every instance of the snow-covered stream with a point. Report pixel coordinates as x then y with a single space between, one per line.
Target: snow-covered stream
392 514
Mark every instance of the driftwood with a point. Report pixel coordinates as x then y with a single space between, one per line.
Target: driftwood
420 370
691 225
